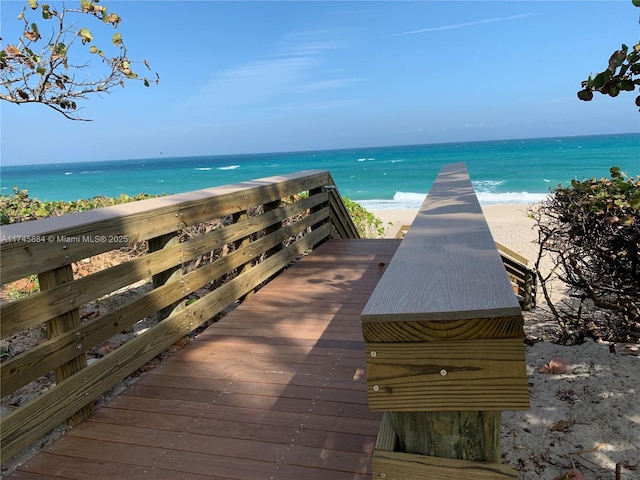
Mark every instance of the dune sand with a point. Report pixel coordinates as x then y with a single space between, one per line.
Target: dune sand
587 418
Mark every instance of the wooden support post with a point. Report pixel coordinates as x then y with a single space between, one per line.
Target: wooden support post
240 244
317 191
155 244
58 326
467 435
273 228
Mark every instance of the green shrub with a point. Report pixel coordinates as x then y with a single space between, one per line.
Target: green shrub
368 225
19 207
592 231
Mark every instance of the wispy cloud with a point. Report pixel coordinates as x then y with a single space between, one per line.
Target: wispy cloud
291 73
467 24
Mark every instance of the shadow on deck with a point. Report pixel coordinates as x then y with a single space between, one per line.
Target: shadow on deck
274 390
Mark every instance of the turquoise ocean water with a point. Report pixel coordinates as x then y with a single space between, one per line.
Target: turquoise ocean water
508 171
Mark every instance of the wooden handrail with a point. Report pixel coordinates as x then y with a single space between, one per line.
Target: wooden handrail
268 223
444 337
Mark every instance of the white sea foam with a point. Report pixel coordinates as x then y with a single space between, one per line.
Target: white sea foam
489 198
204 169
68 173
229 167
400 201
486 185
413 201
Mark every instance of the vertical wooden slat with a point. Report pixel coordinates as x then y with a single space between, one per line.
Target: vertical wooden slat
61 324
159 279
318 191
267 208
240 244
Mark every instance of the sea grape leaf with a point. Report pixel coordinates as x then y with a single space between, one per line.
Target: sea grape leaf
85 35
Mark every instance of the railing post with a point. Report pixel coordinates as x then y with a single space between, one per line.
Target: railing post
316 191
61 324
241 244
468 435
273 228
159 279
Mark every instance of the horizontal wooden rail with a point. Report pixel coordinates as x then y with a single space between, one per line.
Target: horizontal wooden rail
444 341
263 225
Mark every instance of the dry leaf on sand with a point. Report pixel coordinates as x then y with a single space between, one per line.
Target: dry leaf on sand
562 426
628 350
555 366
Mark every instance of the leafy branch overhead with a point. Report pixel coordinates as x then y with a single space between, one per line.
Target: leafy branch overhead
621 74
40 67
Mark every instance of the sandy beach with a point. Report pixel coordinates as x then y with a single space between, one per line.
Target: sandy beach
587 418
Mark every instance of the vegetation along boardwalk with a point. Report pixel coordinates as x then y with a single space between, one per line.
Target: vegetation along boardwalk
275 390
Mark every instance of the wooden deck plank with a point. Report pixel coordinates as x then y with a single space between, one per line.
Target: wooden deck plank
289 404
223 387
69 467
236 429
276 389
272 417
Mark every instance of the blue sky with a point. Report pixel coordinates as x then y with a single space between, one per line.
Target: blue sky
245 77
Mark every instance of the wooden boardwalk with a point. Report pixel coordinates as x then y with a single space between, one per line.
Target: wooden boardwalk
274 390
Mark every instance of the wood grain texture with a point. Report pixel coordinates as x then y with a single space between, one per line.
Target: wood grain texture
407 466
466 435
432 330
59 326
448 267
447 376
394 461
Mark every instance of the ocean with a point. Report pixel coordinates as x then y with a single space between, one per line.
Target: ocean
392 177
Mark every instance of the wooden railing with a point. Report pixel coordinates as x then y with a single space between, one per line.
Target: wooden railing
265 225
445 343
522 276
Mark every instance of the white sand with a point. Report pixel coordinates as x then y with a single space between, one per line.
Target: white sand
597 399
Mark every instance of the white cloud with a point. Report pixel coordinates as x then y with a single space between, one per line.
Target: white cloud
328 84
464 25
291 74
